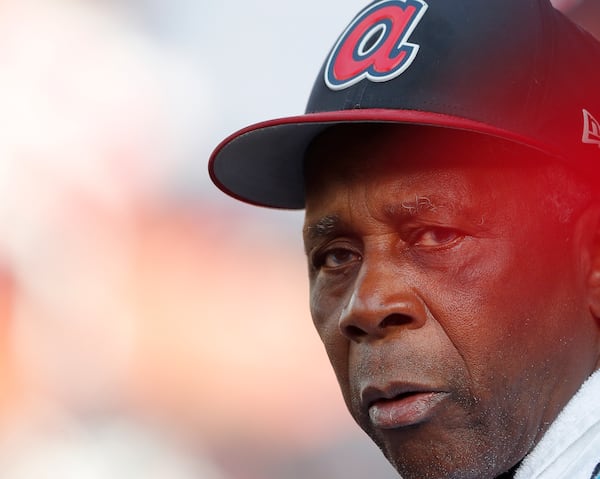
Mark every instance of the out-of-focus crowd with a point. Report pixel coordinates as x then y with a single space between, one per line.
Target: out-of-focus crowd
148 327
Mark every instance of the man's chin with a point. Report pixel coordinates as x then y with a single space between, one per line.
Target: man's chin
423 451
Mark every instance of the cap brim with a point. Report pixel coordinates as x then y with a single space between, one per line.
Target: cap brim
263 163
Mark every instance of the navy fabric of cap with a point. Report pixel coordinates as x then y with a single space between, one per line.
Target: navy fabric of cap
513 69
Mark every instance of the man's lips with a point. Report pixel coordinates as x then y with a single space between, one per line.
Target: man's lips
400 405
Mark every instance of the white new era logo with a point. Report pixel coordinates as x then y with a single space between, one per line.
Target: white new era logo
591 129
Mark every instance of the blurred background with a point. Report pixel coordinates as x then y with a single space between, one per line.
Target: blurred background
150 327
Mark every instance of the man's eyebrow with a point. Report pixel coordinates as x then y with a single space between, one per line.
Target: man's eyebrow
325 226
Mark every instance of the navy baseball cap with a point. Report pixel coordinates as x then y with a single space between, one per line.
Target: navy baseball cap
518 70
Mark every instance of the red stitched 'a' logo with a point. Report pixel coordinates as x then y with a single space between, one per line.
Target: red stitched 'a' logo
375 45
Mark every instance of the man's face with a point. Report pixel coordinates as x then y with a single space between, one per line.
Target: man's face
452 311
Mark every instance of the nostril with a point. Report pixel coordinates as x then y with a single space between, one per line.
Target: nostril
354 332
396 320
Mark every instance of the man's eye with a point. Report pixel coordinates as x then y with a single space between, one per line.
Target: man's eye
432 237
338 258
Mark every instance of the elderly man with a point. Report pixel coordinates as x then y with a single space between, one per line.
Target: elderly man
448 162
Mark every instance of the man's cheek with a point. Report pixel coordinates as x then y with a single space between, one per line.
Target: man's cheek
327 301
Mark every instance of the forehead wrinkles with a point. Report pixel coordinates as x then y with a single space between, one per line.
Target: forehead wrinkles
393 194
390 196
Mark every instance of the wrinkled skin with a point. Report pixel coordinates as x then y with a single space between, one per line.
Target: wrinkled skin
434 270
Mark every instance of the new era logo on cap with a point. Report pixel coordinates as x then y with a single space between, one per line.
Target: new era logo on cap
375 46
591 129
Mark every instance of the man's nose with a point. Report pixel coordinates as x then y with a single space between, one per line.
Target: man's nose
383 300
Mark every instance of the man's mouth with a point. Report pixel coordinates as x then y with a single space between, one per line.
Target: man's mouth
407 408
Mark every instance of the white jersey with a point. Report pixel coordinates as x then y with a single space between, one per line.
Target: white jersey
571 446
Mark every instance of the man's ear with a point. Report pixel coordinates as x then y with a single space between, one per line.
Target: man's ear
588 239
